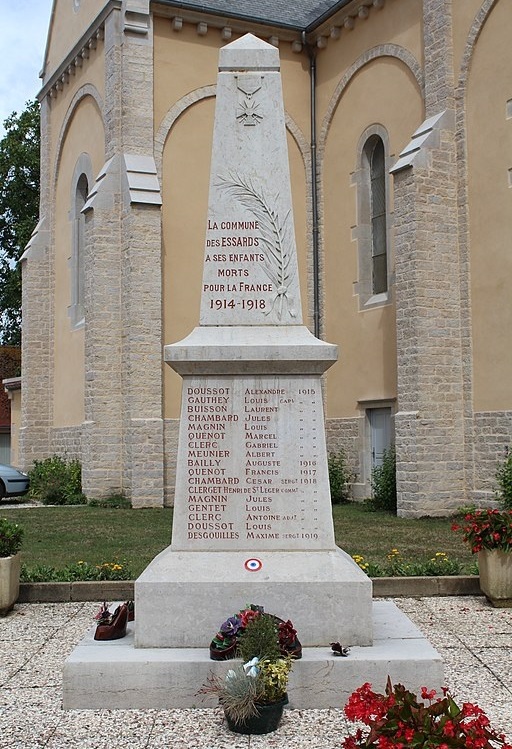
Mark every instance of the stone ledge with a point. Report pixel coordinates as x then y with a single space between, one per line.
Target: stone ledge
457 585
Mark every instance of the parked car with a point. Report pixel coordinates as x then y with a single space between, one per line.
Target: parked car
13 483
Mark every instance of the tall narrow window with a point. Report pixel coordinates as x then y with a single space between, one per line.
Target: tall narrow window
80 184
374 219
377 165
82 190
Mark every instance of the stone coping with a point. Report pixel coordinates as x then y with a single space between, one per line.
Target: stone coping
393 587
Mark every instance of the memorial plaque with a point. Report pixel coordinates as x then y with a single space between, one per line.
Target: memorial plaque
254 473
252 516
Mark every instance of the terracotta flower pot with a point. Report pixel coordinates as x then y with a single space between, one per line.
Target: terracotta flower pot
9 582
495 568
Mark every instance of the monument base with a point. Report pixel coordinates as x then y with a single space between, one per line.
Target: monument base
117 675
324 593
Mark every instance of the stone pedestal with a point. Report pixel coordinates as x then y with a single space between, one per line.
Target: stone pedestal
253 520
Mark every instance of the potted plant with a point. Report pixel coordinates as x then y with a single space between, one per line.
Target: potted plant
400 719
489 534
11 536
254 692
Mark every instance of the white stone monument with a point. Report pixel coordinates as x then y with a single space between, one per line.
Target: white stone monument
252 519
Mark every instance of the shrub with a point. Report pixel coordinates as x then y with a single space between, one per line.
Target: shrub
57 481
384 483
340 478
504 479
260 638
11 536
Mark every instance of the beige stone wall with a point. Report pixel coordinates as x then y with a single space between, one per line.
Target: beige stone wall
489 145
84 135
69 21
15 403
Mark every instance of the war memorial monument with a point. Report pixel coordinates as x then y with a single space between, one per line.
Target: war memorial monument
252 516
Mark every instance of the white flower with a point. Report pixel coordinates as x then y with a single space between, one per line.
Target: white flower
251 668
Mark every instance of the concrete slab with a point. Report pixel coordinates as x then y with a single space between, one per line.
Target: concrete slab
117 675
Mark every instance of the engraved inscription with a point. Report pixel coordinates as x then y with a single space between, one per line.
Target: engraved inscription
274 239
245 482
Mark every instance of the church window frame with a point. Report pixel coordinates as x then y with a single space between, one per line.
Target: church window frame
374 219
81 184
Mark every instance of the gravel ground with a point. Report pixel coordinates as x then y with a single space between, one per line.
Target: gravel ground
474 639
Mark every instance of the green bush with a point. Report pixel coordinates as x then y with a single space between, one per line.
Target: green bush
260 638
340 478
57 481
384 483
11 536
397 566
504 479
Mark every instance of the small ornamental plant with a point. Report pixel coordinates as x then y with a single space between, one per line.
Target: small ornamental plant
249 686
11 536
487 529
399 719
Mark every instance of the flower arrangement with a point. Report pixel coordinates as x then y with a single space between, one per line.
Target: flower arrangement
236 629
253 693
249 687
398 719
11 536
487 529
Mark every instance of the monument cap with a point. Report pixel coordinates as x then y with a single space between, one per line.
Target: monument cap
248 53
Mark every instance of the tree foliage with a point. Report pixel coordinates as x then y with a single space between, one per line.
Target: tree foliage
19 210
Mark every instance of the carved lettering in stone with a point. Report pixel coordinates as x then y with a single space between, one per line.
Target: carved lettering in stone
275 240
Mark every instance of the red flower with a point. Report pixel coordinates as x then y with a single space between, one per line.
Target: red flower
449 729
426 695
247 616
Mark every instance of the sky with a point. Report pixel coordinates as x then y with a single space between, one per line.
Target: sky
23 29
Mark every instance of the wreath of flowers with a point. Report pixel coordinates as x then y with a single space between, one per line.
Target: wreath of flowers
224 644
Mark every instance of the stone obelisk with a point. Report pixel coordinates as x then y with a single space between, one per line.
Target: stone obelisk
252 518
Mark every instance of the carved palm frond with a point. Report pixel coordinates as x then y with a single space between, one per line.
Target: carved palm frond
274 235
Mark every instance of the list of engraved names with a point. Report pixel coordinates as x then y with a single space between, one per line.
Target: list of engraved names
246 480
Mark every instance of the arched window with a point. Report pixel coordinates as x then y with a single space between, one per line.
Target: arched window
377 167
373 218
80 191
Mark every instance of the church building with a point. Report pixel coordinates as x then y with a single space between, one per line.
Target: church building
399 129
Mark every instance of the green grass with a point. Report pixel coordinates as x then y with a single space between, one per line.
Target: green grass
57 536
374 534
